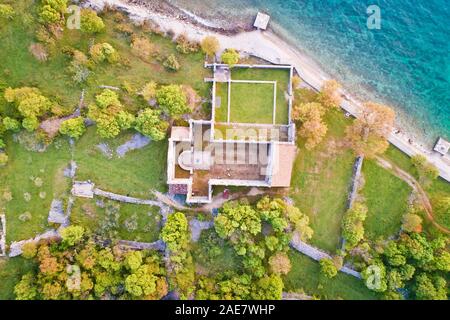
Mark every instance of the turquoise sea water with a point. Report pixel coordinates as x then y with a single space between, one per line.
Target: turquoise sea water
406 63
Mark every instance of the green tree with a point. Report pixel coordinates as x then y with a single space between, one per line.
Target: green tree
412 223
430 288
3 159
6 11
268 288
90 22
427 171
175 232
172 100
133 260
72 235
29 250
25 289
230 57
210 45
101 52
11 124
149 123
149 90
280 263
352 225
172 63
73 128
327 268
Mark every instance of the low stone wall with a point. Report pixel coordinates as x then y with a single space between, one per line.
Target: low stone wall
2 235
316 254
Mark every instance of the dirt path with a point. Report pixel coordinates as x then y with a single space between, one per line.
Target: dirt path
412 182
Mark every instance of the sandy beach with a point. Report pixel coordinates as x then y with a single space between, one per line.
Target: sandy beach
270 47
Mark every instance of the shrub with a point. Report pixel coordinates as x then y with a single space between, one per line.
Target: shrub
327 268
72 235
427 171
142 47
90 22
103 52
352 225
73 128
149 123
172 100
185 46
3 159
6 11
30 124
38 51
171 63
329 95
149 91
412 223
210 45
230 57
29 250
11 124
280 263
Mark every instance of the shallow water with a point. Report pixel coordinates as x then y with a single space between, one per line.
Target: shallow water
405 63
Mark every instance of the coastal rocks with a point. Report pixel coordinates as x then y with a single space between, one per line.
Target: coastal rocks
137 141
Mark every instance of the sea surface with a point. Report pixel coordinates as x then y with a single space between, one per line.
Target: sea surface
406 63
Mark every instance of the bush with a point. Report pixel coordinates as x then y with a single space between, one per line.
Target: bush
280 263
149 91
11 124
142 47
230 57
172 100
185 46
3 159
90 22
6 11
352 225
171 63
427 171
29 250
412 223
30 124
149 123
210 45
72 235
73 128
103 52
327 268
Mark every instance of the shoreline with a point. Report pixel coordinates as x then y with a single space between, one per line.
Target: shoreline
265 45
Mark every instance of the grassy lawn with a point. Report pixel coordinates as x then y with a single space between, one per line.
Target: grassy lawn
438 189
227 260
251 103
11 271
222 111
281 76
320 183
20 68
135 174
133 222
387 200
305 274
29 183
